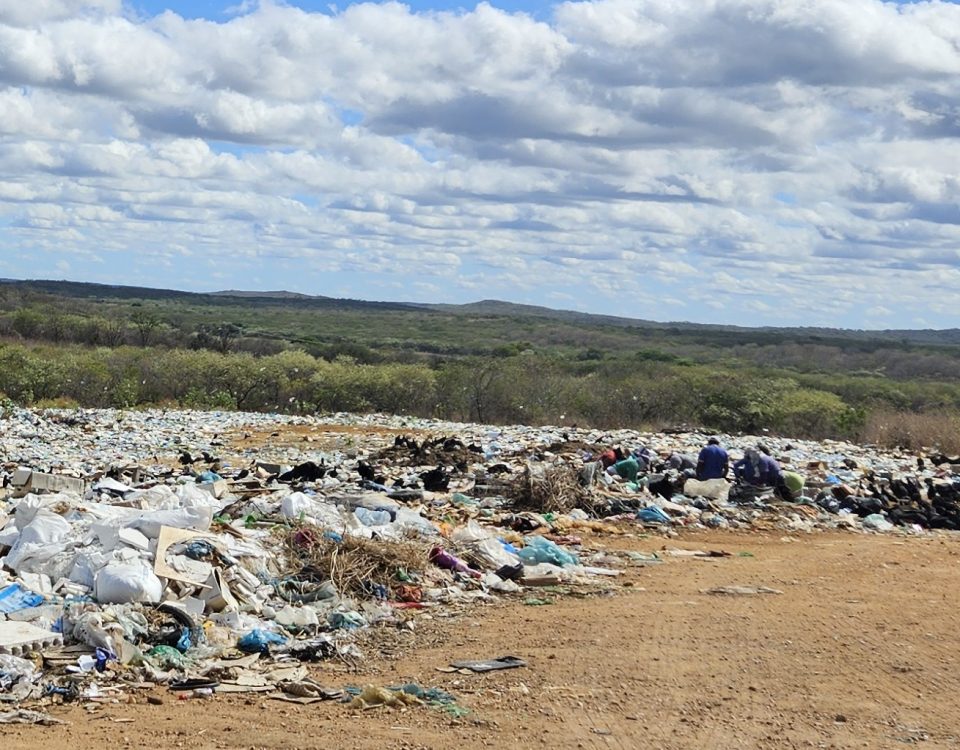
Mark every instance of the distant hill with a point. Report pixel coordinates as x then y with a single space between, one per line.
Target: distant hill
513 309
281 300
84 290
947 336
266 295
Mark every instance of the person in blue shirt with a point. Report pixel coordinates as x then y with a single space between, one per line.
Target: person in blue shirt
713 461
762 470
757 468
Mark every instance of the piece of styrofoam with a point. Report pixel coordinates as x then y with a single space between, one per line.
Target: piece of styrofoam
18 638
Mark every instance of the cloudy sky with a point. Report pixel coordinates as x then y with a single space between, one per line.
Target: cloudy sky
783 162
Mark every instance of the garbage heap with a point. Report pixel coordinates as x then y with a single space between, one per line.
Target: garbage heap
134 555
231 580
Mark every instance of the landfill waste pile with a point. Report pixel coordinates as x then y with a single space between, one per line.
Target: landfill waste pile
172 548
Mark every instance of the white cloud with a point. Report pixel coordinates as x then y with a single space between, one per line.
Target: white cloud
23 13
796 154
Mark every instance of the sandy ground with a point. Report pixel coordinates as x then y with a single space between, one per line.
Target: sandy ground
860 650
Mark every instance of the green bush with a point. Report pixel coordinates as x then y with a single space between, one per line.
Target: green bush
520 388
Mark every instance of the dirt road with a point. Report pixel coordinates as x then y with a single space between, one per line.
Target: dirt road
860 650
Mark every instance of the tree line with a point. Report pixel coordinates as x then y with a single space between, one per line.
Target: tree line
524 388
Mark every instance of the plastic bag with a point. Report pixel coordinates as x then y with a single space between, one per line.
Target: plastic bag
13 669
122 583
443 559
539 550
346 620
653 514
472 532
160 497
166 657
492 555
411 521
493 582
297 617
32 505
298 504
192 496
39 540
712 489
372 517
259 641
877 522
149 523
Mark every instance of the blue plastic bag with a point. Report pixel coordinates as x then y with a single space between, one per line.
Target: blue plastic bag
509 547
653 514
258 640
540 550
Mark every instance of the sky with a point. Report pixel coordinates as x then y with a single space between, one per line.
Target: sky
756 162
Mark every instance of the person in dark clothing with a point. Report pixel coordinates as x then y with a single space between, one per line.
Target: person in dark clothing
713 461
681 462
758 469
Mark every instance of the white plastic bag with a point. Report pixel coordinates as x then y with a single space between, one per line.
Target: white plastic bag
31 505
85 567
410 521
122 583
472 532
149 522
192 496
712 489
490 554
372 518
39 540
160 497
495 583
324 514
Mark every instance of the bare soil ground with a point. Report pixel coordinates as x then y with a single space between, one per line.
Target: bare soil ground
860 650
322 437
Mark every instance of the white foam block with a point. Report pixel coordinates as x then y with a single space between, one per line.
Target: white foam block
18 638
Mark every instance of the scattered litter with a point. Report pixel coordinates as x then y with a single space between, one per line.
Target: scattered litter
148 547
653 515
24 716
372 696
259 641
695 553
540 550
490 665
305 691
194 684
742 590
